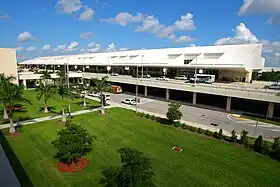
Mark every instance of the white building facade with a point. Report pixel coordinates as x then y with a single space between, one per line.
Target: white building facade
227 62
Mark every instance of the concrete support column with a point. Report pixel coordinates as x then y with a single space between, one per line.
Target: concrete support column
167 94
24 83
194 98
146 91
248 77
270 110
228 103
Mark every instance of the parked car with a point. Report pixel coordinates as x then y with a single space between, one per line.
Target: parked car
93 94
275 86
129 101
146 76
181 77
107 96
114 74
162 78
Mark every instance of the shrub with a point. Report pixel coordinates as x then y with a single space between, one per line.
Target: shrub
244 137
276 148
72 143
141 114
233 136
184 126
153 117
258 145
193 129
178 124
220 134
173 112
148 116
199 130
266 148
208 133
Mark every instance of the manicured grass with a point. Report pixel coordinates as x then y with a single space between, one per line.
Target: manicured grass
274 122
54 104
203 162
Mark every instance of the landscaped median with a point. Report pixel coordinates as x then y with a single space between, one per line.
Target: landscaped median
203 161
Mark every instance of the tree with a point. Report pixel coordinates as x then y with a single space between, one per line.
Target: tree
3 81
72 143
258 145
63 91
46 75
173 112
276 148
244 137
11 95
135 171
80 90
233 136
45 91
100 86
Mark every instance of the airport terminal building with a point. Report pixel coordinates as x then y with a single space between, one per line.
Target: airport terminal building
227 62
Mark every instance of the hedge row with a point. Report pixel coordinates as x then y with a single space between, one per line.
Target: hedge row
261 146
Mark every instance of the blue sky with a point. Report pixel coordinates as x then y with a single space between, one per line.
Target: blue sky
55 27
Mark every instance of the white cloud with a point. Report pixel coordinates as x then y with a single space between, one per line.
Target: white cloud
183 39
185 23
25 36
19 48
269 46
31 48
111 47
86 35
150 24
91 44
72 46
87 14
92 48
123 49
259 6
242 35
277 54
275 20
96 48
46 47
192 45
5 16
60 48
124 18
68 6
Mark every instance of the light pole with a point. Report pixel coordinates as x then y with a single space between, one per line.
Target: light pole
136 94
195 70
142 65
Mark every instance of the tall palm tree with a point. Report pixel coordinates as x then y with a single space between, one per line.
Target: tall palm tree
63 91
46 75
45 91
4 80
100 86
80 89
12 94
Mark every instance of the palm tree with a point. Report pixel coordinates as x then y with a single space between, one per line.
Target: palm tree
12 94
80 89
45 91
4 80
46 75
100 86
63 91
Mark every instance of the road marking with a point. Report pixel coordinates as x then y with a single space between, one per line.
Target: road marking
235 121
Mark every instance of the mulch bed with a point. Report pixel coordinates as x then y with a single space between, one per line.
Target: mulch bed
74 166
13 134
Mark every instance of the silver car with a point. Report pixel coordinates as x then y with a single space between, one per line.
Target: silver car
275 86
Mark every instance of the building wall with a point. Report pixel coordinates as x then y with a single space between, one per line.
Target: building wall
8 62
228 75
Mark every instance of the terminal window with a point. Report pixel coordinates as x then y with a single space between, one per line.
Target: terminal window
187 61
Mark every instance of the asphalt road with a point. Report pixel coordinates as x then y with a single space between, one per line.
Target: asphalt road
206 116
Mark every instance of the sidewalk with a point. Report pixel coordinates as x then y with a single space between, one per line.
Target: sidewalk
37 120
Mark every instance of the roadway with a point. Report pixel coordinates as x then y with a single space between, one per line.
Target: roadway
204 116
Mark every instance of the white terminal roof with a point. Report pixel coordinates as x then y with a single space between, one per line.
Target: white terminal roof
246 56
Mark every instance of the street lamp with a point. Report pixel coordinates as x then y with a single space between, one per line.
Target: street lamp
136 94
108 69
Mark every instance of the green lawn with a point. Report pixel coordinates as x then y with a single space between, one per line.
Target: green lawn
203 162
54 104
